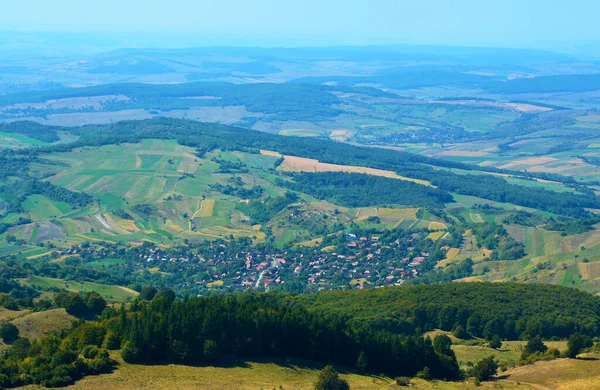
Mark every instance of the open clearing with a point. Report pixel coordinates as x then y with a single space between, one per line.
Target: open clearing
37 325
242 375
564 374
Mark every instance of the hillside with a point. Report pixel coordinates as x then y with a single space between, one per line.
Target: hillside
523 310
129 196
35 326
228 344
557 374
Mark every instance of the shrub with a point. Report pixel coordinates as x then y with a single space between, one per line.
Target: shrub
495 342
130 353
424 373
89 352
460 332
578 343
403 381
534 345
329 379
210 351
362 361
112 341
9 332
147 293
485 369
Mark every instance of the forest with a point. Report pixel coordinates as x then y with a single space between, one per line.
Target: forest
510 310
359 190
335 327
281 101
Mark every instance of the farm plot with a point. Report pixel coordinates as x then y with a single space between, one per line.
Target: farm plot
389 216
117 293
539 242
40 208
301 164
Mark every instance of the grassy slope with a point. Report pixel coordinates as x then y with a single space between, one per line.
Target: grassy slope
557 374
128 174
111 292
292 374
36 325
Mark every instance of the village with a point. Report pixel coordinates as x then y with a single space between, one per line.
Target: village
353 261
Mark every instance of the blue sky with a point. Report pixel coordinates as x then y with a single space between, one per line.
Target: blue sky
510 23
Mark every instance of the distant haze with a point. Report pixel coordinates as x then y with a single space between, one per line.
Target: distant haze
551 24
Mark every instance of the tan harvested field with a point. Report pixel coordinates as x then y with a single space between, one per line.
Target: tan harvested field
529 108
128 225
560 374
523 142
406 213
338 133
301 164
269 153
589 270
462 153
206 209
435 235
173 226
365 212
39 255
450 257
521 107
387 215
114 225
532 161
437 226
313 242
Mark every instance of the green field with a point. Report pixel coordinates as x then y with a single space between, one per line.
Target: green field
116 293
11 140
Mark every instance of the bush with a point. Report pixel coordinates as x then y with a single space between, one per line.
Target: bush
130 353
578 343
424 373
403 381
485 369
71 302
89 352
147 293
210 351
329 379
534 345
460 332
495 342
95 303
9 332
112 341
362 361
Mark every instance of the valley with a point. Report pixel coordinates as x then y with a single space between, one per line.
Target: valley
243 217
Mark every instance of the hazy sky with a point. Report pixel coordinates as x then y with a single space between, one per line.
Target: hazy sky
309 22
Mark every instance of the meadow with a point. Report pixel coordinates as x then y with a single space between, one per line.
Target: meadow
115 293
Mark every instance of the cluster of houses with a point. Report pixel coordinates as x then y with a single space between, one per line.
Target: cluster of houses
356 263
